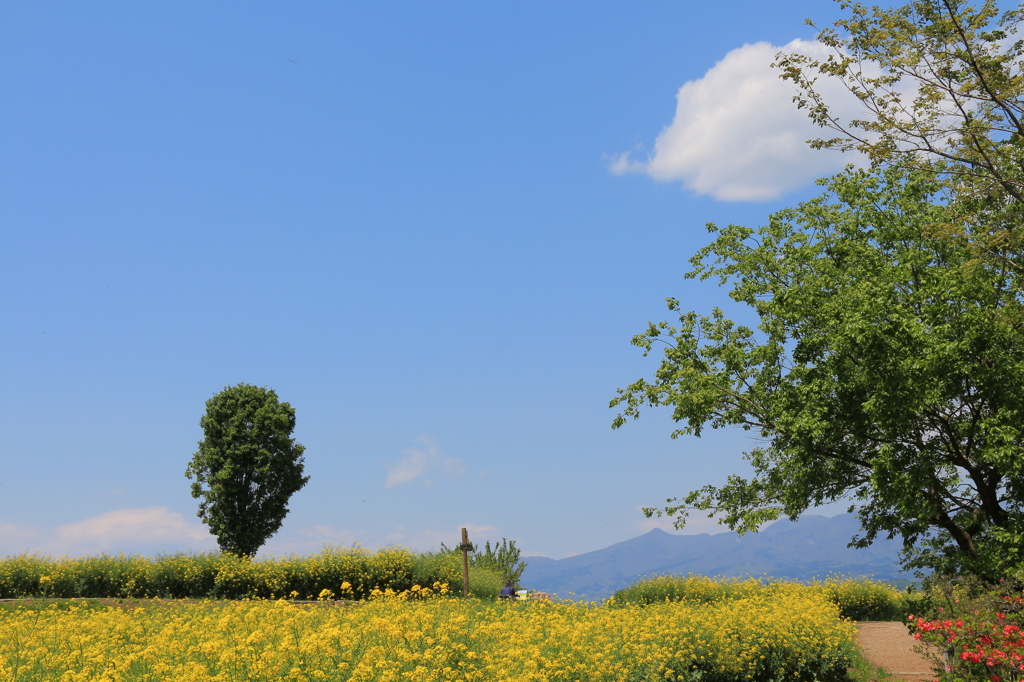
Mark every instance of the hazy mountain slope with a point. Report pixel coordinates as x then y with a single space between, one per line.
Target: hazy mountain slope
814 546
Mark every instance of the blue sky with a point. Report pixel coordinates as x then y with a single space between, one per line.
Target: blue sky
432 228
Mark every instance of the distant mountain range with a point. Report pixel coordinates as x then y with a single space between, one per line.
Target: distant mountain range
812 547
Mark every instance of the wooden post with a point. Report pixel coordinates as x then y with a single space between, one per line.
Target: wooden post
465 562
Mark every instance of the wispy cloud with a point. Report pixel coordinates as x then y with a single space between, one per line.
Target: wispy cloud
696 524
312 539
122 530
331 534
121 525
430 537
737 135
15 538
418 462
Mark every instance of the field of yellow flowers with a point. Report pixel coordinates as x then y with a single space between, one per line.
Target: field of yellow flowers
789 633
223 576
857 599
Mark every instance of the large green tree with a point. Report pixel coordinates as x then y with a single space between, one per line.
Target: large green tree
942 88
883 372
247 467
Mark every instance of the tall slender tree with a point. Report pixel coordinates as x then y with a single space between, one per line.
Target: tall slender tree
247 467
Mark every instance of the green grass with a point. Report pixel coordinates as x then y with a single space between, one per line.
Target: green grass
52 604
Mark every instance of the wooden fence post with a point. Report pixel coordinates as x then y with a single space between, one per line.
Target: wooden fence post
465 547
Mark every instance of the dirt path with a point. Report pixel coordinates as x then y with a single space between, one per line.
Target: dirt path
890 646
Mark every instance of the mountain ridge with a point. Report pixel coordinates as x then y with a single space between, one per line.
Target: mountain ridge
814 546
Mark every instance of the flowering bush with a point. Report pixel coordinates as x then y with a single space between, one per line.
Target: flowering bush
979 632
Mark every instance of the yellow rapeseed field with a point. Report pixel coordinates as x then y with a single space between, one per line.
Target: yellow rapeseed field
857 599
792 634
223 576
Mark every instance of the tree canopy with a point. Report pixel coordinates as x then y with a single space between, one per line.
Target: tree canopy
943 92
247 467
883 372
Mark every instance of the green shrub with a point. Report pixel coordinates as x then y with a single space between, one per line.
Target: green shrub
864 599
224 576
975 628
857 599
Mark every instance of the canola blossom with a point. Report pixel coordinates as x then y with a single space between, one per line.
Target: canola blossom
857 599
223 576
789 634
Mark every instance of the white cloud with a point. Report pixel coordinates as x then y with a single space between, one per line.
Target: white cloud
738 136
311 540
429 537
417 462
478 529
424 537
156 530
132 525
696 524
331 534
15 538
122 530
